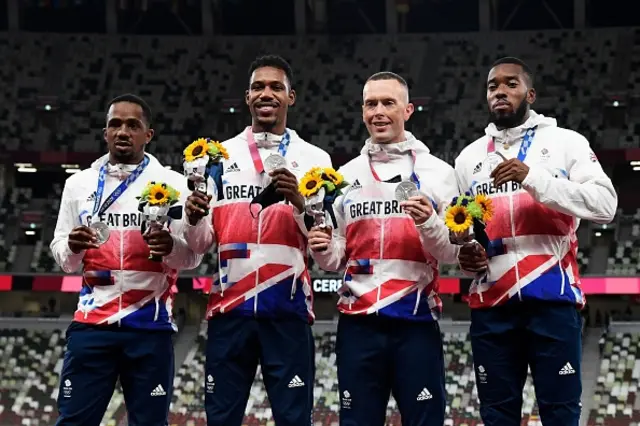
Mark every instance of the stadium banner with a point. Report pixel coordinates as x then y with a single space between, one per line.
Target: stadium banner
329 283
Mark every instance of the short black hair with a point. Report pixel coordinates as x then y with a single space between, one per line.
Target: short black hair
388 75
273 61
129 97
516 61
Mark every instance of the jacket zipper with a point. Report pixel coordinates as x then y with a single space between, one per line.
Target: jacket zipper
380 257
121 273
515 244
255 297
561 267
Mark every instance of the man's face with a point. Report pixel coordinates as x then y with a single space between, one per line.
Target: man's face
269 96
127 132
508 95
385 109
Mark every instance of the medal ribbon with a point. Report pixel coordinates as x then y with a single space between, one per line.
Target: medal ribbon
99 210
255 155
527 139
414 177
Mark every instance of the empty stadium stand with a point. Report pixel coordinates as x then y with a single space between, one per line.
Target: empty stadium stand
615 399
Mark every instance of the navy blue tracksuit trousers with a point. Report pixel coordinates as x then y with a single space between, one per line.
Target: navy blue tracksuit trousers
98 356
541 335
378 356
286 352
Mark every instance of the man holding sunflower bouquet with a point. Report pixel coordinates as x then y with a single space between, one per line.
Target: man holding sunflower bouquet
260 306
123 327
541 179
390 237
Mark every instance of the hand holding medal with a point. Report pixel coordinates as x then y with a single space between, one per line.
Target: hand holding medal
492 161
274 162
155 204
320 187
83 238
406 190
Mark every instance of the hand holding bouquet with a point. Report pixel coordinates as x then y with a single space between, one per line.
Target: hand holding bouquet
202 158
320 187
156 203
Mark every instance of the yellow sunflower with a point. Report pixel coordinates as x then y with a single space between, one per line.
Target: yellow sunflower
458 219
332 176
216 148
196 149
158 195
487 207
310 184
315 171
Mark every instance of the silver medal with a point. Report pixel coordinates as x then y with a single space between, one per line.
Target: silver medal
491 162
406 190
273 162
102 231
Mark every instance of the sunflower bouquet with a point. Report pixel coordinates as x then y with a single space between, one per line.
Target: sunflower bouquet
320 186
467 217
202 159
156 203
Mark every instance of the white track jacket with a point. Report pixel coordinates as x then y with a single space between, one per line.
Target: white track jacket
391 264
120 284
533 244
262 268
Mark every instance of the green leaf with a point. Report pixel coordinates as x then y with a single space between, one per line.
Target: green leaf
475 210
329 185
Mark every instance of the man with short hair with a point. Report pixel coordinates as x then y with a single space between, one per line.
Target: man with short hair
390 238
260 307
123 326
542 179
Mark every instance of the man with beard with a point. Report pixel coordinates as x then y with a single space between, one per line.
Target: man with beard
123 326
260 306
542 179
388 335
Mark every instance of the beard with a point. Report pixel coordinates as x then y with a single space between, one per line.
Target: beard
510 119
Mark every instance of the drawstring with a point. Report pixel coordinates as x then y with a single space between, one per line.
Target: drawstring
562 245
293 289
415 309
155 317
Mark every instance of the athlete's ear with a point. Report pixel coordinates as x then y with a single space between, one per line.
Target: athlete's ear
104 134
408 111
149 135
531 96
292 97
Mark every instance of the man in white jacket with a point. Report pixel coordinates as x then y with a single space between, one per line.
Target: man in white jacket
123 326
388 335
261 304
542 179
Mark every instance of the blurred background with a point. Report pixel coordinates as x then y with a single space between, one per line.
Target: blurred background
61 61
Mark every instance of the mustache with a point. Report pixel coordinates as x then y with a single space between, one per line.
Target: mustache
259 104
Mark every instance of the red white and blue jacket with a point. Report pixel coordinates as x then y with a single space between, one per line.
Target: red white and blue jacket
262 260
391 264
120 284
533 249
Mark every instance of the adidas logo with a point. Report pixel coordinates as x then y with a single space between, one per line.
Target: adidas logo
566 370
296 382
233 168
424 395
158 391
92 197
477 168
356 184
